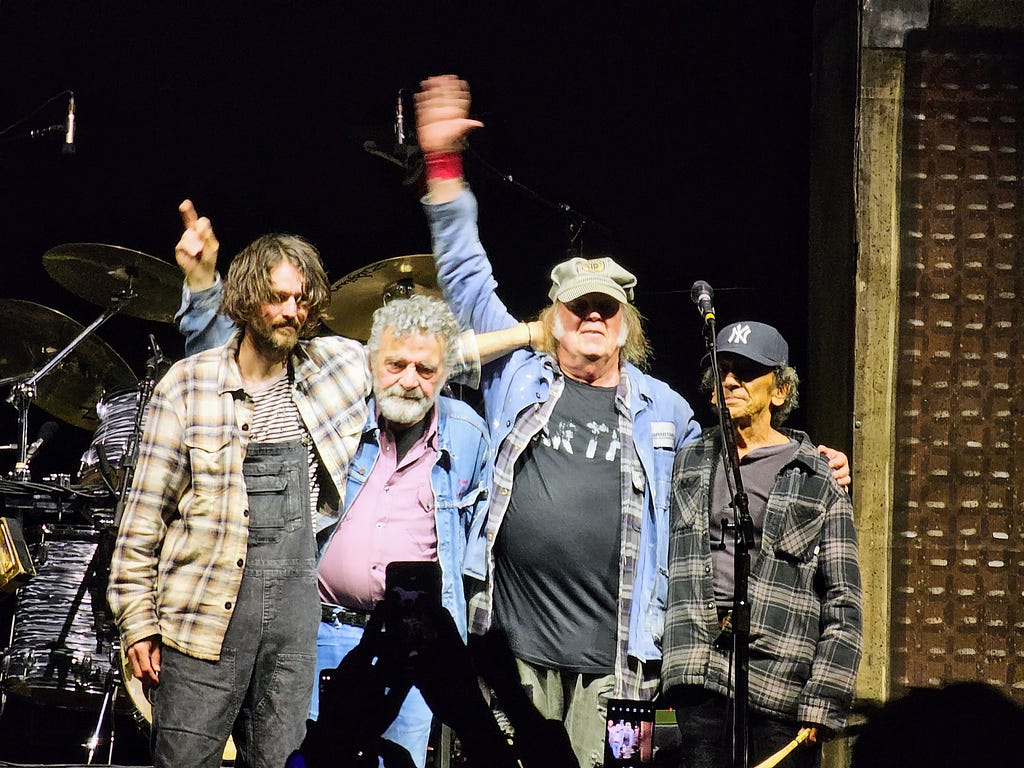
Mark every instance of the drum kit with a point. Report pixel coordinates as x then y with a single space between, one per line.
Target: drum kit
57 536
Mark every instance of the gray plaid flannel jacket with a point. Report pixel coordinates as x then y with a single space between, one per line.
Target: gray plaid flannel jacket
805 593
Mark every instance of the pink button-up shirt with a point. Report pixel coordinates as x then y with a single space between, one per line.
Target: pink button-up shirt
392 518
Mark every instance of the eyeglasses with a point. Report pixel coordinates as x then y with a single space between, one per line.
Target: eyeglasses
605 306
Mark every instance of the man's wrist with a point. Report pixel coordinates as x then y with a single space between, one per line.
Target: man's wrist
442 166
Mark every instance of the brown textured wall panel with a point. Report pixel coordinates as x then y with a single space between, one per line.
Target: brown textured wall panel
959 515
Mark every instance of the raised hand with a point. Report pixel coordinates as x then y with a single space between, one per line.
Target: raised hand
442 109
196 251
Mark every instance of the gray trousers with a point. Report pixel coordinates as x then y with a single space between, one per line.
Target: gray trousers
260 688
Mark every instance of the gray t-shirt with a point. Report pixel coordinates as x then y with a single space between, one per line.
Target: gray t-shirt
758 469
557 554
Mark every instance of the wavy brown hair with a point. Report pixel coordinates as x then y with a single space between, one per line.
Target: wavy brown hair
247 286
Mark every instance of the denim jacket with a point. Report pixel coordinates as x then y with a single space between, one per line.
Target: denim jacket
460 480
516 385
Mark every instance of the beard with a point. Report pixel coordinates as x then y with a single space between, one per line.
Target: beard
274 340
403 407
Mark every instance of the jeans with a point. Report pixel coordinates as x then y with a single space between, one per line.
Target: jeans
704 720
411 729
259 689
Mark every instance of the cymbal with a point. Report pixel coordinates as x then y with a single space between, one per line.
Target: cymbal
356 296
98 273
33 334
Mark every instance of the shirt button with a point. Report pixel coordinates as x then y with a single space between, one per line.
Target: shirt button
245 513
711 603
240 562
228 605
245 427
707 569
380 525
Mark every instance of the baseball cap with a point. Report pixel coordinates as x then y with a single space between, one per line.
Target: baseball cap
754 341
578 277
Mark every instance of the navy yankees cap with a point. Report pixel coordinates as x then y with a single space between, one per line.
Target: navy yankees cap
754 341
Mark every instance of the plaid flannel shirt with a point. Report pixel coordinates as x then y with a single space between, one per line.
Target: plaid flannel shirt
181 545
805 593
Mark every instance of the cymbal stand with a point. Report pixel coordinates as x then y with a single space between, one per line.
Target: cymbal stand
131 450
24 392
109 698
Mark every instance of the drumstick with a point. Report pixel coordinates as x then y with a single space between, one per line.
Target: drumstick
779 756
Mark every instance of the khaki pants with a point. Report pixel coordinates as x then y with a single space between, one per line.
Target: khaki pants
579 701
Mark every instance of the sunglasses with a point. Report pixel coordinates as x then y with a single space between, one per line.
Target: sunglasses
742 368
605 306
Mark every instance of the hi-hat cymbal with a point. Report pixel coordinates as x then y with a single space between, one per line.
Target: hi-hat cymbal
356 296
99 273
33 334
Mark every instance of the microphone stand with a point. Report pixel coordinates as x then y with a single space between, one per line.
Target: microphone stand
743 538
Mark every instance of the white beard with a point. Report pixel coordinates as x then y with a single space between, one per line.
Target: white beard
401 407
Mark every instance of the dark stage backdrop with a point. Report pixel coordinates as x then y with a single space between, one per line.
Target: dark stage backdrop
680 131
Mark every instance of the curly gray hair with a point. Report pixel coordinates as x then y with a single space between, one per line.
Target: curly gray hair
416 314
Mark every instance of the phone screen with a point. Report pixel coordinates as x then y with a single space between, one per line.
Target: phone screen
629 737
412 595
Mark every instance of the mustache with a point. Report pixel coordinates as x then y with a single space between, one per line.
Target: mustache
396 390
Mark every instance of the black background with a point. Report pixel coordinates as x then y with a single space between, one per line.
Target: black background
679 130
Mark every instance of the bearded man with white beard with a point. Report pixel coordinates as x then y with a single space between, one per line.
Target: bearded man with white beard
417 490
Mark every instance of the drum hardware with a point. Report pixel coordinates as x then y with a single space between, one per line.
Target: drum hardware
356 296
86 364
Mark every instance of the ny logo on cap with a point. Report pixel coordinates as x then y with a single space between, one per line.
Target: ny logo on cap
739 334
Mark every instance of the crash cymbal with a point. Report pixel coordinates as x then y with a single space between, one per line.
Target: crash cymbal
356 296
99 273
33 334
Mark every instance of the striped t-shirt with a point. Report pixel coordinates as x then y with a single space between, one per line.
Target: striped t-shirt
275 419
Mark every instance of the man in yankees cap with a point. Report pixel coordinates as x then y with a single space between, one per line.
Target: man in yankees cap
804 589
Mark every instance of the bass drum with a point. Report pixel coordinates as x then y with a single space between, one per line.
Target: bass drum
142 710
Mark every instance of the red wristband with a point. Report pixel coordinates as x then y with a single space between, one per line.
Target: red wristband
444 165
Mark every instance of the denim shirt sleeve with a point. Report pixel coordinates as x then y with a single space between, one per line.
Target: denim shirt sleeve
463 270
199 319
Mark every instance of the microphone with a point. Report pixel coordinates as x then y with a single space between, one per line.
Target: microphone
69 129
399 120
701 294
46 432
